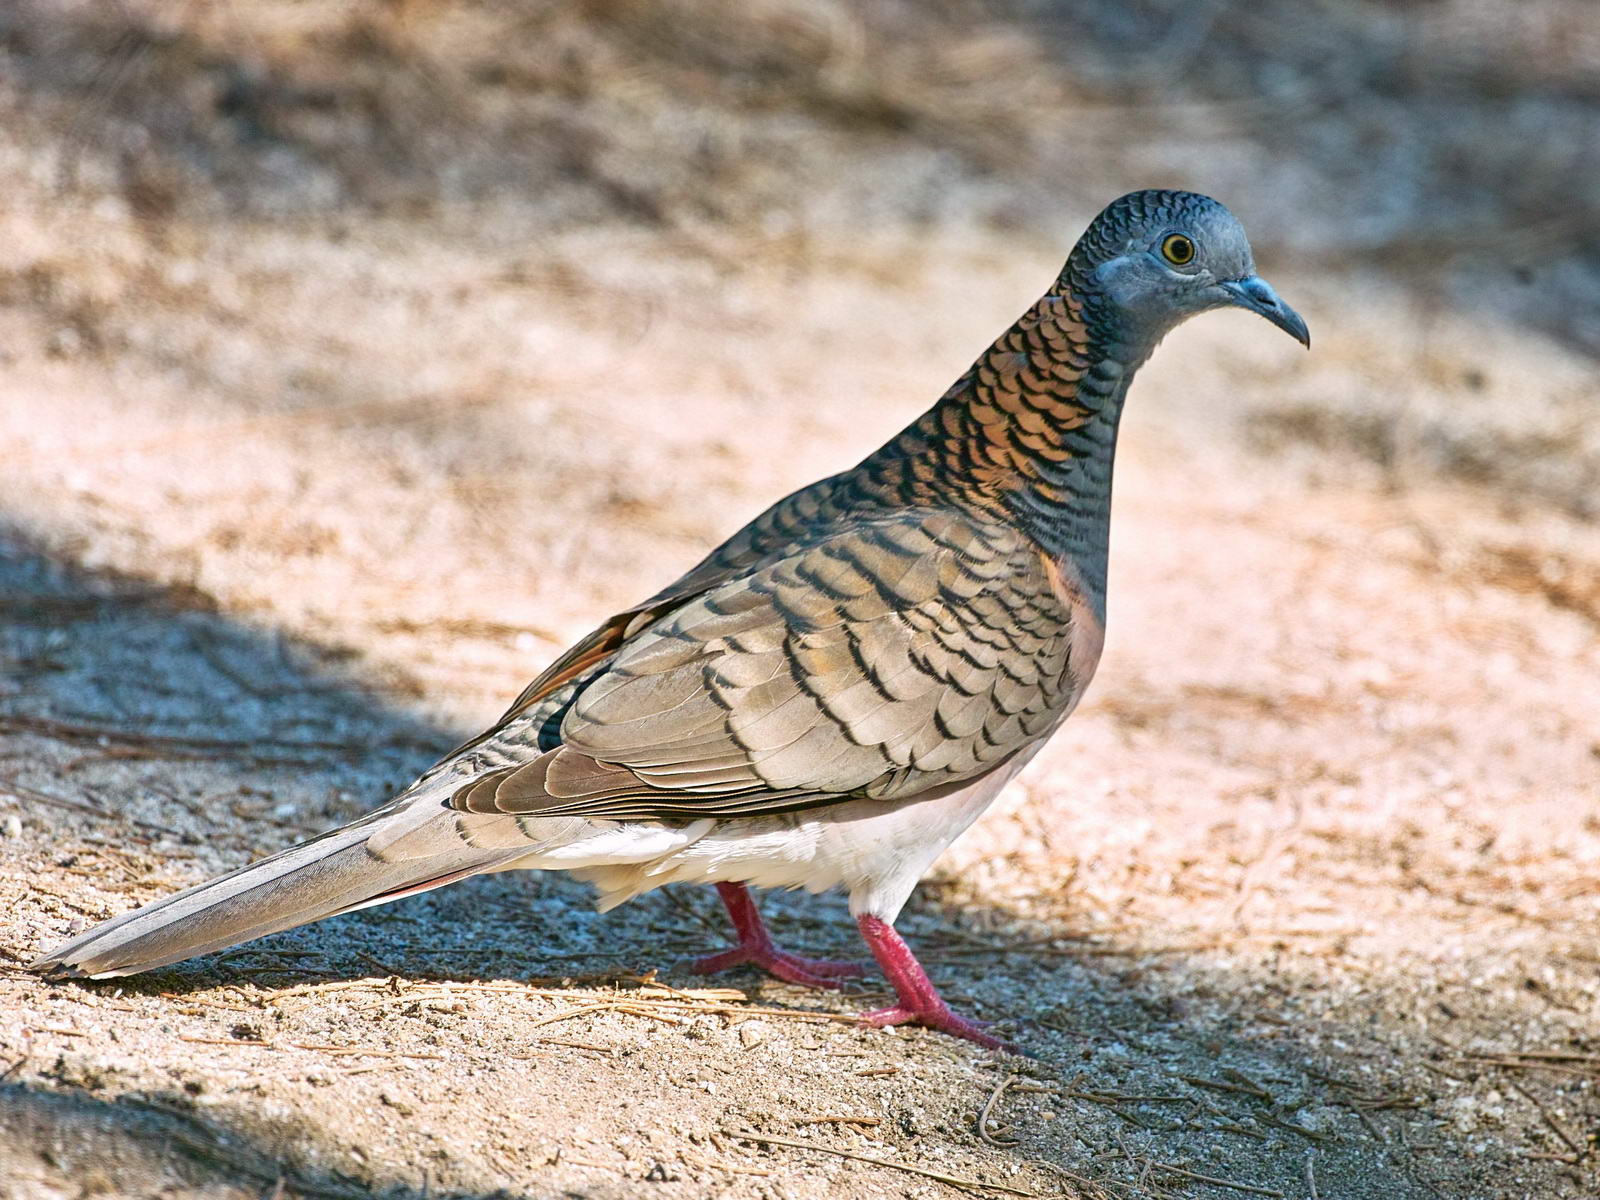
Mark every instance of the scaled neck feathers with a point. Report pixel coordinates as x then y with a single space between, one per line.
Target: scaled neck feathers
1030 428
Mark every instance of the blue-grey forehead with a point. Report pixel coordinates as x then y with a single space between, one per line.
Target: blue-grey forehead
1146 217
1221 240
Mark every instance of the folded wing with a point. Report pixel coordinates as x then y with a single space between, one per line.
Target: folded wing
905 652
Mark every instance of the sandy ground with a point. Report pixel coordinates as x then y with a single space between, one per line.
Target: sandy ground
1302 900
1302 903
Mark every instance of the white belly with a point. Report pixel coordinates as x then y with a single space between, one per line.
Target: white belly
875 850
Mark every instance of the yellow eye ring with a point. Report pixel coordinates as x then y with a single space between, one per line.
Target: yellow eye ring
1177 249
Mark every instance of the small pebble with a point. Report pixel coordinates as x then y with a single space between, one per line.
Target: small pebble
11 826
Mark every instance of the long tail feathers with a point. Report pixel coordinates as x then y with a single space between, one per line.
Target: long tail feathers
335 873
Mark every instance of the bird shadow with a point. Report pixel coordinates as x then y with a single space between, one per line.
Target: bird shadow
137 711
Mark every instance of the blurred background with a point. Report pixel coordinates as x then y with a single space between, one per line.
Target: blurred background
257 260
456 237
361 354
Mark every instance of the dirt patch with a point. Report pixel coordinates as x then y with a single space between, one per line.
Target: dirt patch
297 491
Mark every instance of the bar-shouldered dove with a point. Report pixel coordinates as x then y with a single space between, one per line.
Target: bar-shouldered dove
835 693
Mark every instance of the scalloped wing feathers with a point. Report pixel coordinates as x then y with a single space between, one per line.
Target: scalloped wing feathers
894 656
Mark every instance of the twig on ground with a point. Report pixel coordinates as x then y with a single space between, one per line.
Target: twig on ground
1253 1189
1001 1136
639 1010
1098 1189
1114 1098
205 1041
571 1045
1276 1122
1555 1056
1244 1081
341 1051
93 914
1579 1153
1518 1064
714 1164
365 1052
576 1011
1217 1085
23 792
1378 1103
1437 1070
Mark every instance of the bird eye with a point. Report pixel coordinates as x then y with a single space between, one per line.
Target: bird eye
1177 249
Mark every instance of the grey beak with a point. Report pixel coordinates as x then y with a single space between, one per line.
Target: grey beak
1256 294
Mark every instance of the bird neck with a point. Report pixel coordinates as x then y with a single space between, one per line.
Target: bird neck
1031 428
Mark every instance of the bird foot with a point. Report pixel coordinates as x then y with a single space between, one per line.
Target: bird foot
939 1017
755 947
792 968
919 1001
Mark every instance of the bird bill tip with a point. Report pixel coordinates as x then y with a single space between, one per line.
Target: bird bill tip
1258 296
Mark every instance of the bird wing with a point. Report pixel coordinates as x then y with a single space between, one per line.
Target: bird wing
799 515
906 650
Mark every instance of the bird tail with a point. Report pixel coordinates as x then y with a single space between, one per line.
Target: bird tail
351 867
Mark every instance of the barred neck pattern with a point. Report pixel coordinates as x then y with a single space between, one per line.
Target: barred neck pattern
1029 430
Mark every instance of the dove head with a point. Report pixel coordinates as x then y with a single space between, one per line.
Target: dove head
1153 259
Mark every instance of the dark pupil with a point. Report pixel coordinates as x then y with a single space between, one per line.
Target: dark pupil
1180 249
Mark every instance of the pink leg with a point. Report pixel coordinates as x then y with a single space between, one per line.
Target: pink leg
755 947
919 1001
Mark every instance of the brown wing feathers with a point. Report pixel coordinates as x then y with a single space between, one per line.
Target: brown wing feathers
900 654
